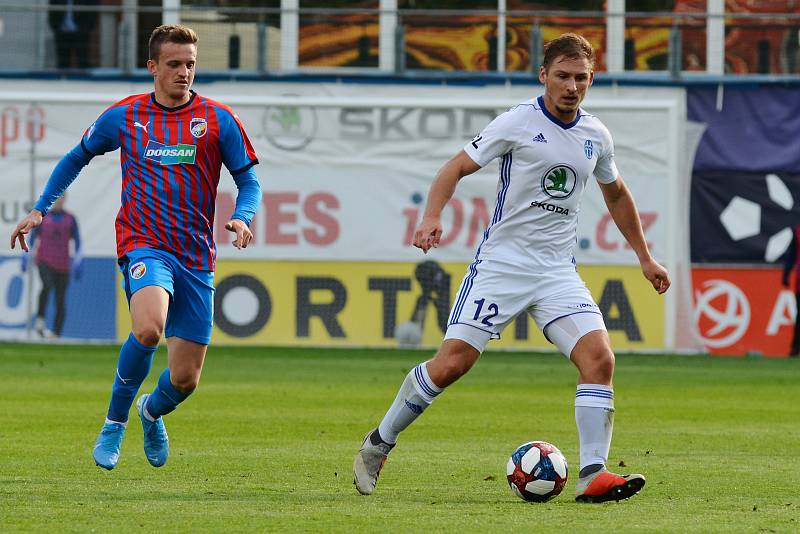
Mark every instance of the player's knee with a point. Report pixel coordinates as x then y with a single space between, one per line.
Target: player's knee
600 366
456 365
185 384
451 362
148 335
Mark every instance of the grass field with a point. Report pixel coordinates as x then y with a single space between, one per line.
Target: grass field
267 443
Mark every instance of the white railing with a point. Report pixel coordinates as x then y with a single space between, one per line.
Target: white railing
118 30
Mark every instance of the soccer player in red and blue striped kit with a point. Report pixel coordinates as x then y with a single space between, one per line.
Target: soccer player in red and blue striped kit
173 143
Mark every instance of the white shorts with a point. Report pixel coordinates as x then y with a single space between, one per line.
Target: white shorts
492 294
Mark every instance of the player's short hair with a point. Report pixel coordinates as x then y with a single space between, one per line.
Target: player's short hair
570 45
169 33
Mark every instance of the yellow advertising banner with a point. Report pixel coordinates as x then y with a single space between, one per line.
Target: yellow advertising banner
363 303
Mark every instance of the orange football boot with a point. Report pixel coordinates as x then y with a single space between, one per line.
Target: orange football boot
605 486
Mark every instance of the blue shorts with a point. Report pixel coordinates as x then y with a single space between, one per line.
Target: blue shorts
191 291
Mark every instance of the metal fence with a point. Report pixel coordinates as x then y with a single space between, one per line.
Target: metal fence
111 39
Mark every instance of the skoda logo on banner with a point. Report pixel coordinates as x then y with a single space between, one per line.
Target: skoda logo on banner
288 127
726 308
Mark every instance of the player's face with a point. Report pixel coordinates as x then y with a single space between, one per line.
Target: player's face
566 81
173 73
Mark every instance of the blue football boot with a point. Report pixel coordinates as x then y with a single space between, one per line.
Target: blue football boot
156 442
106 448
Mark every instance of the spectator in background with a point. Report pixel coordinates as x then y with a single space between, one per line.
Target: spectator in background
793 261
53 261
71 29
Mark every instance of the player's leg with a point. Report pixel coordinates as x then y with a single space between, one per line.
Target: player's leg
584 338
147 282
174 386
424 383
594 397
419 389
148 308
483 306
188 332
571 320
180 378
61 282
46 276
62 50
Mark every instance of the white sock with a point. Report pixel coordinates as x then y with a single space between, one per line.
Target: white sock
594 415
416 393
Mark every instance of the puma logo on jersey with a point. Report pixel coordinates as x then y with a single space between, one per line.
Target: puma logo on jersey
540 138
137 124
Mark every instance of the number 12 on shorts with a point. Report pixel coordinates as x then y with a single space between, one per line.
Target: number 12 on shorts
491 308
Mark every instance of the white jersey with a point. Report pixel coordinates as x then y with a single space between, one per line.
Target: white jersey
543 171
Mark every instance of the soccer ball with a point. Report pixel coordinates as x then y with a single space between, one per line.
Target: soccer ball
537 471
408 335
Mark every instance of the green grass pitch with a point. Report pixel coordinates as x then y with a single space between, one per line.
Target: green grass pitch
267 443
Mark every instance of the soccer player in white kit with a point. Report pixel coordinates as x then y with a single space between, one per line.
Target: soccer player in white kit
549 147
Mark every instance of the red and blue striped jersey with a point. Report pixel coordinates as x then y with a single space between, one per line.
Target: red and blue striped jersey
171 160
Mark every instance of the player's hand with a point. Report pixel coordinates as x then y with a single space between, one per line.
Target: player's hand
243 233
428 234
31 221
657 275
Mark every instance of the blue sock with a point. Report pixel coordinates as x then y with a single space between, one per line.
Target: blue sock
164 398
134 363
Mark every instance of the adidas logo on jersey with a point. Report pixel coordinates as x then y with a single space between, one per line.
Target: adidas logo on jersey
540 138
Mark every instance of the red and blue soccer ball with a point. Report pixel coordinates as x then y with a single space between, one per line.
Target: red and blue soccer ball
537 471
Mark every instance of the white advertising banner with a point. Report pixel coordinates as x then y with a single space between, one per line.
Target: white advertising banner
348 181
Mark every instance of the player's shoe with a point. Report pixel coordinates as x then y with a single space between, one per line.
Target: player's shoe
39 326
106 448
369 461
605 486
156 441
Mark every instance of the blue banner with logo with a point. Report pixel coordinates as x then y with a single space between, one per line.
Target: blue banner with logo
745 194
740 217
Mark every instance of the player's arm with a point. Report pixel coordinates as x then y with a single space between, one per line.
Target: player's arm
239 157
99 138
64 174
622 208
247 201
429 231
496 139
